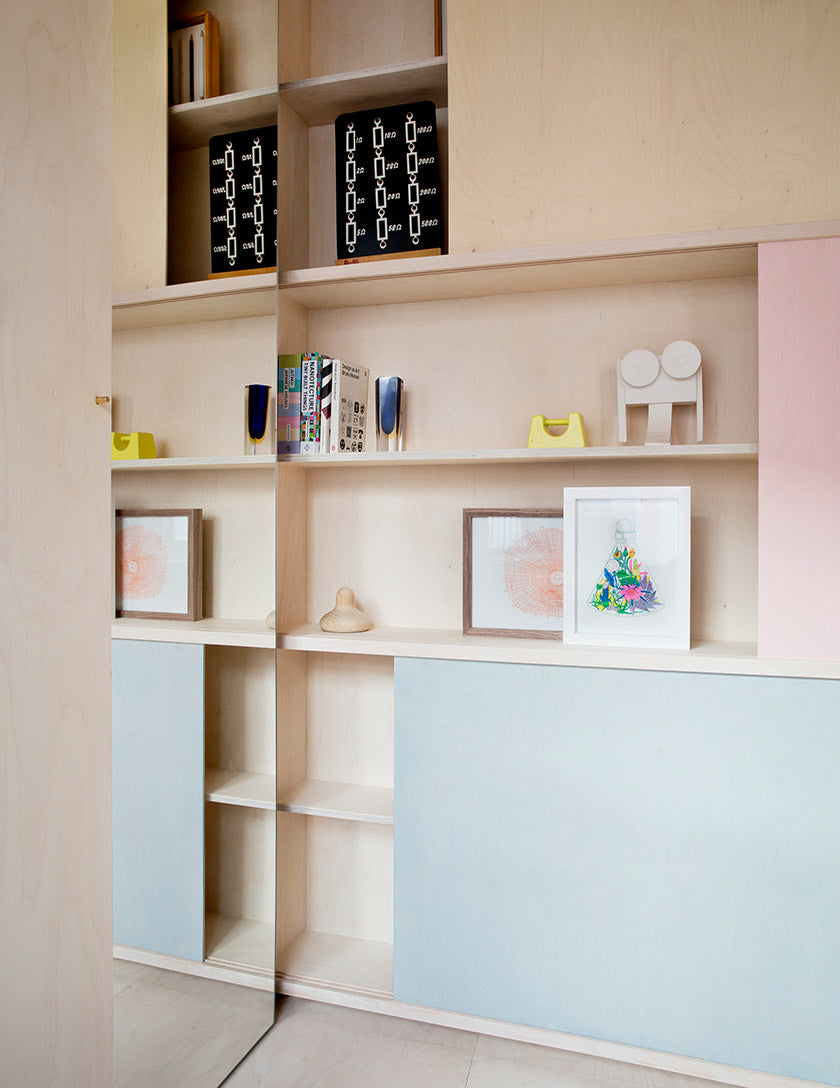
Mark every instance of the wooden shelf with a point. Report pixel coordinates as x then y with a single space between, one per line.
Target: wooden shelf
345 963
239 943
193 123
206 300
340 801
244 788
745 451
181 464
410 458
209 632
704 657
660 258
319 101
701 255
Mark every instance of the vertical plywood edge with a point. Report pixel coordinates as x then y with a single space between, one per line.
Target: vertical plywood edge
292 546
293 176
140 145
291 882
295 41
799 451
292 719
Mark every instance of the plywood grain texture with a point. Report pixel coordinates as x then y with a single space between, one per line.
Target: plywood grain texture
55 568
237 531
351 34
579 119
140 145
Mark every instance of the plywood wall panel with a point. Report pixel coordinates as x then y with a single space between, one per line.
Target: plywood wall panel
398 544
55 580
239 709
476 370
582 119
140 144
351 718
348 35
186 384
237 531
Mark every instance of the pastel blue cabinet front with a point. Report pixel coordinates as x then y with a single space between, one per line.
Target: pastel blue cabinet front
158 796
648 858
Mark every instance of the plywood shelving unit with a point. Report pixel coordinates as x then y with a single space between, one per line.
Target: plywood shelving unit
184 348
484 341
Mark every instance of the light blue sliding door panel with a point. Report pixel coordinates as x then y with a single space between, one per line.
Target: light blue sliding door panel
158 757
649 858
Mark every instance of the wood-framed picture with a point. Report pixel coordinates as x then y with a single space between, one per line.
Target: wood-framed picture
157 558
513 573
628 566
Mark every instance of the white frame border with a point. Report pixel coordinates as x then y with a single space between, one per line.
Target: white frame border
679 638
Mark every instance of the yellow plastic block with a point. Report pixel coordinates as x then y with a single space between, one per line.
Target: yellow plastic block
132 447
539 438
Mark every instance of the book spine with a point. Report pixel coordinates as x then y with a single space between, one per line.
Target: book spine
310 414
326 404
288 403
349 415
336 394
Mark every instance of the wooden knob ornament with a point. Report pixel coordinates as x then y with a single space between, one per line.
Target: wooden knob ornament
346 617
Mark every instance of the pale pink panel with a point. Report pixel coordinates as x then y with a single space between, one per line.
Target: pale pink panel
799 450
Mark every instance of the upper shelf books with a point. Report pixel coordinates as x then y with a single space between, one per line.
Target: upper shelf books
321 404
193 58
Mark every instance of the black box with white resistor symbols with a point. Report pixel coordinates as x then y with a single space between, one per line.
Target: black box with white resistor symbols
243 201
387 183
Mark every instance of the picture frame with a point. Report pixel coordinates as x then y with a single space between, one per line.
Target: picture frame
627 557
158 564
513 573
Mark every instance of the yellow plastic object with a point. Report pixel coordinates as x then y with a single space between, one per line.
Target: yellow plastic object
539 438
131 447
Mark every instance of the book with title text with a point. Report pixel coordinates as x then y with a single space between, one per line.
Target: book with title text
312 363
288 403
349 407
321 405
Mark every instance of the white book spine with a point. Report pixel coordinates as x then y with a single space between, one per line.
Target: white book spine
349 408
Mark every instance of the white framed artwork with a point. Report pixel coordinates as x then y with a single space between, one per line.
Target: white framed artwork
627 559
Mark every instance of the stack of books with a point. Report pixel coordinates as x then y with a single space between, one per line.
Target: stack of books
321 404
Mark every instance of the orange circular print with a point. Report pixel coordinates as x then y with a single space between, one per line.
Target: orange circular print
141 563
534 572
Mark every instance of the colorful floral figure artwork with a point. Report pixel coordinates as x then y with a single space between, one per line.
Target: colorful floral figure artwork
141 563
625 588
533 567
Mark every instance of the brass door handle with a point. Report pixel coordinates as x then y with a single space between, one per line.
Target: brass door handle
103 400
